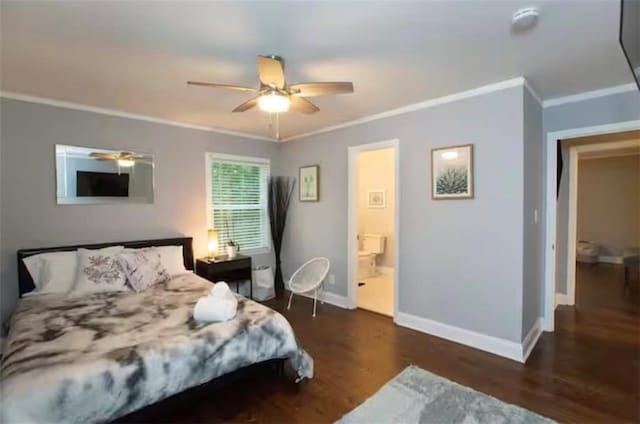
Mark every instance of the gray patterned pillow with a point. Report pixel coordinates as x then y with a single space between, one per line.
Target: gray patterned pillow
99 271
143 267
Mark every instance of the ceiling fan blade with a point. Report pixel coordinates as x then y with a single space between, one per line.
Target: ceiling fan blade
303 105
247 105
226 86
129 156
103 156
271 71
309 89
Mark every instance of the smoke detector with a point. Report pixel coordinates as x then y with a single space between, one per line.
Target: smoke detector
525 18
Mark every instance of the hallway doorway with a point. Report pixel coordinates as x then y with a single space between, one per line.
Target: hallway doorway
598 210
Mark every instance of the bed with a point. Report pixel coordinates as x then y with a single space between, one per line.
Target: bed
97 357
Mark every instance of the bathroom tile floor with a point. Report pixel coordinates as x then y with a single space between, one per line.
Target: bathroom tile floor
376 294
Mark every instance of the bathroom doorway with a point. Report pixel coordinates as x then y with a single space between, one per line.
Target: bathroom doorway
373 224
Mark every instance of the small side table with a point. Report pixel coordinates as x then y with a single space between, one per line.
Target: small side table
236 270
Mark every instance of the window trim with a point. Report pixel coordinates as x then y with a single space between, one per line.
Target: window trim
241 160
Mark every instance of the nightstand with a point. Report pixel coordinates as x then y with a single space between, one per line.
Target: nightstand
236 270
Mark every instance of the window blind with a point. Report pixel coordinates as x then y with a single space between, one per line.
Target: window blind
239 202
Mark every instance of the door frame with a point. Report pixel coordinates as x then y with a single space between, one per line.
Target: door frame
352 219
551 202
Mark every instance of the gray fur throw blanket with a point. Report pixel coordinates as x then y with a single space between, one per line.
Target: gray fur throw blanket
96 357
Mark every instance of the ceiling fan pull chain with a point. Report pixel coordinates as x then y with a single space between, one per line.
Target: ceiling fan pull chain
277 126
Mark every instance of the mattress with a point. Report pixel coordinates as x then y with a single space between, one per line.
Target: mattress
93 358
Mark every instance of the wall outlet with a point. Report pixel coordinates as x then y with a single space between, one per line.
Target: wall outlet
535 216
332 279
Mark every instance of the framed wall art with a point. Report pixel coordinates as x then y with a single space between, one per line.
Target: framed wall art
376 199
309 183
452 172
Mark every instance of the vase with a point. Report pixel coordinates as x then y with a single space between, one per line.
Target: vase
232 251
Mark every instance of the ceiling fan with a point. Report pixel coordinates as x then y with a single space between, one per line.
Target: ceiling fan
124 159
275 96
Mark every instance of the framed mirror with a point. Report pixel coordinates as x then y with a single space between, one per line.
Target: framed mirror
86 175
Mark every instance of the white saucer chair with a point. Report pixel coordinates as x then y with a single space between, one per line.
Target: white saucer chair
309 278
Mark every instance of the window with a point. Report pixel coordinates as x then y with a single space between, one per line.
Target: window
237 200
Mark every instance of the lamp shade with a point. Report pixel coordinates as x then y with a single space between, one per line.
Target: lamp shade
213 241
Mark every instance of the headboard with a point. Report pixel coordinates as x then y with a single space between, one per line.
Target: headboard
25 282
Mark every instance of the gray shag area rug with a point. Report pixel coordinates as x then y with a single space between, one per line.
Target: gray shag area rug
417 396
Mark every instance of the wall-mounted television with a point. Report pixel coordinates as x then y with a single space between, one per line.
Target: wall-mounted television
101 184
630 35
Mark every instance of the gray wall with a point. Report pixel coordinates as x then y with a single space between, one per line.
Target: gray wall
609 203
600 111
533 232
30 216
447 273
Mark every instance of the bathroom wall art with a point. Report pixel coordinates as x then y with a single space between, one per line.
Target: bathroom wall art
377 199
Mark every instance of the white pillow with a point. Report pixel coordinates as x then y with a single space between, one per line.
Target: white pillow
170 256
172 259
34 266
53 272
143 267
100 271
58 272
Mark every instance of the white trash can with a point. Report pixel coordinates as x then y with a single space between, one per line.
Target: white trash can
263 288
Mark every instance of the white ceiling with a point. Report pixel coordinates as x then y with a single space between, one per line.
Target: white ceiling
136 56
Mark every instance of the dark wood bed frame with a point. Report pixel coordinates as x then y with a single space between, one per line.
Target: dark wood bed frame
154 411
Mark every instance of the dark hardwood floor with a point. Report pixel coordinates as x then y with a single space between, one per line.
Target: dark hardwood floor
587 371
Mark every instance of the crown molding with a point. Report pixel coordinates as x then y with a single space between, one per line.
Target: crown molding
533 92
485 89
589 95
122 114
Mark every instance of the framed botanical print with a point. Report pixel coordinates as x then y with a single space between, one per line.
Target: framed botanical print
309 183
376 199
452 172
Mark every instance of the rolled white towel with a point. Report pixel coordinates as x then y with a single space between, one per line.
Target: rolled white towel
219 290
209 309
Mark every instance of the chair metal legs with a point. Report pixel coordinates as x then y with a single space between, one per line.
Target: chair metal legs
315 299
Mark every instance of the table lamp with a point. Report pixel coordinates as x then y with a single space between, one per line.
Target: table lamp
213 243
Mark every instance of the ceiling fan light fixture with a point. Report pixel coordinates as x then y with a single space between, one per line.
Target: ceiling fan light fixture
274 102
126 163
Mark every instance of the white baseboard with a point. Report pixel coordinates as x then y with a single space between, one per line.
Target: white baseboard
336 300
502 347
330 298
386 270
610 259
325 296
530 341
562 299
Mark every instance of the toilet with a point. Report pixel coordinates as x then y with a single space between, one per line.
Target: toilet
371 246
